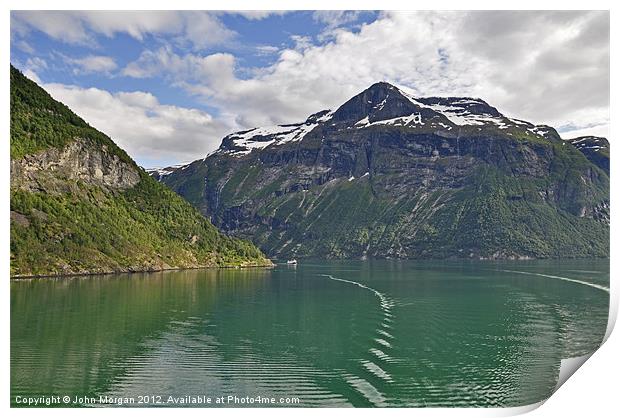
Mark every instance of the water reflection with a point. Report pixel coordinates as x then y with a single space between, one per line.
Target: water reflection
375 334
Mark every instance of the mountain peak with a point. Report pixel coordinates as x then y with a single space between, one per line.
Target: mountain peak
382 85
383 101
379 101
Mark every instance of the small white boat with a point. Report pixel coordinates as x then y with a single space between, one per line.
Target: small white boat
292 262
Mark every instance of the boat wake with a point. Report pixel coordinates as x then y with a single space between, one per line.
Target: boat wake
566 279
383 342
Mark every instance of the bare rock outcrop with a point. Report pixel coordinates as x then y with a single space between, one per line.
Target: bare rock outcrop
58 170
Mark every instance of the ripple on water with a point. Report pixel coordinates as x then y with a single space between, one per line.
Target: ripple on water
447 340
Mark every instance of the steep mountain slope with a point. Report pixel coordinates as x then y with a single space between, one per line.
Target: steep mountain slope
79 204
390 175
595 148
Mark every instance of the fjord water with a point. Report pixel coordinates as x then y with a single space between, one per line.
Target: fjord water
374 333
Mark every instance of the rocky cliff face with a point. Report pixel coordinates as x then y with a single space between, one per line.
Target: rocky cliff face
391 175
57 170
79 204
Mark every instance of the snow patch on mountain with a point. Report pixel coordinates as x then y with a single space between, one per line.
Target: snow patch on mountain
458 111
593 143
363 122
165 171
258 138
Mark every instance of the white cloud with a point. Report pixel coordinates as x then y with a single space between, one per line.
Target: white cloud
198 28
149 131
586 121
135 23
265 50
25 46
302 42
36 64
32 75
60 25
310 78
204 29
187 68
257 14
589 130
546 67
334 18
93 64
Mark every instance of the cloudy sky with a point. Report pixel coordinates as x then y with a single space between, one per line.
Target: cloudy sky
167 86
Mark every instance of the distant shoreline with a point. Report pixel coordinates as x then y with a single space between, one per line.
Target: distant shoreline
275 263
107 273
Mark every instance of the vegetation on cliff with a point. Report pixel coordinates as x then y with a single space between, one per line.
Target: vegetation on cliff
76 225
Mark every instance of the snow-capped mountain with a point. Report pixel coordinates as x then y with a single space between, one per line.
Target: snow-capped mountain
388 174
383 105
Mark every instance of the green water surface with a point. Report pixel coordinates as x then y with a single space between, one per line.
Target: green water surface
373 333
